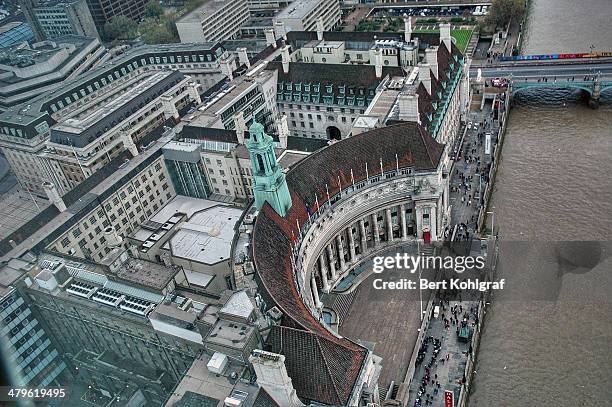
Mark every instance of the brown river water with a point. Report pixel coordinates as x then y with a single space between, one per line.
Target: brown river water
554 184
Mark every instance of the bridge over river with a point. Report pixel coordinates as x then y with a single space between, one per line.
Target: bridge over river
591 76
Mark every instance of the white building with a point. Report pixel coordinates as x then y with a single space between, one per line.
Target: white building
29 71
214 20
310 15
96 132
25 129
192 233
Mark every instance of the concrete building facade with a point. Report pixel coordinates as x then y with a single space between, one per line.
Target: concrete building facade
25 135
59 18
310 15
214 20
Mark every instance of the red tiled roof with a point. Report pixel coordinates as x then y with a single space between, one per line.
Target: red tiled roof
338 361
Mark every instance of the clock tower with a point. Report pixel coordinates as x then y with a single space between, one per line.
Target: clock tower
269 184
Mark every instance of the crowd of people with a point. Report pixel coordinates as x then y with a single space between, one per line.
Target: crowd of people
471 178
432 381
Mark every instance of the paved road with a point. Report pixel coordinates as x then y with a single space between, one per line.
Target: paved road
547 70
464 191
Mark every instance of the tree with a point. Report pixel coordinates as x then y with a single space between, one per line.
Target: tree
502 11
120 28
156 31
153 10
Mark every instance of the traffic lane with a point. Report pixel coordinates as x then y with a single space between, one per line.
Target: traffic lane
567 69
604 73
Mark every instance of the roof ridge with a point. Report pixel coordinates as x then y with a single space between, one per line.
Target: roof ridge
327 369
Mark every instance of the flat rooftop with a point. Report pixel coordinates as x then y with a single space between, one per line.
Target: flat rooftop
324 44
230 334
146 273
182 204
19 57
98 112
206 237
38 105
297 9
202 382
207 8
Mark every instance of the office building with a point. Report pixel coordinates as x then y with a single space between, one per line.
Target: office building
27 7
71 17
25 129
14 33
131 192
309 15
27 71
102 11
30 357
125 118
214 20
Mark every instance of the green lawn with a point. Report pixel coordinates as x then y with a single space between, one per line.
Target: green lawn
462 37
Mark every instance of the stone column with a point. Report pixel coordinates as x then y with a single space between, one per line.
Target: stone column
364 237
332 265
340 252
375 229
402 209
315 292
323 267
389 225
419 220
351 238
433 223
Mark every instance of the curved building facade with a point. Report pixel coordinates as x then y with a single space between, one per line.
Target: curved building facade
348 201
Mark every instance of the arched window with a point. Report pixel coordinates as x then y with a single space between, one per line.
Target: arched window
260 163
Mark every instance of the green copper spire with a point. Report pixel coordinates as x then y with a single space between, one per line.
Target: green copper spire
269 184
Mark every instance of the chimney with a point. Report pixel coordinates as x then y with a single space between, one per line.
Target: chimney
272 376
270 40
279 29
128 143
445 35
431 57
243 57
409 106
54 196
283 131
378 62
193 90
320 28
407 28
425 76
285 58
240 126
112 237
226 68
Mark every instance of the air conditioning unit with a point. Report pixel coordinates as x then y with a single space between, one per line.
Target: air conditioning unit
232 402
275 314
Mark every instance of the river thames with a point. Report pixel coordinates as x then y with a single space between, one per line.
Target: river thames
553 184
